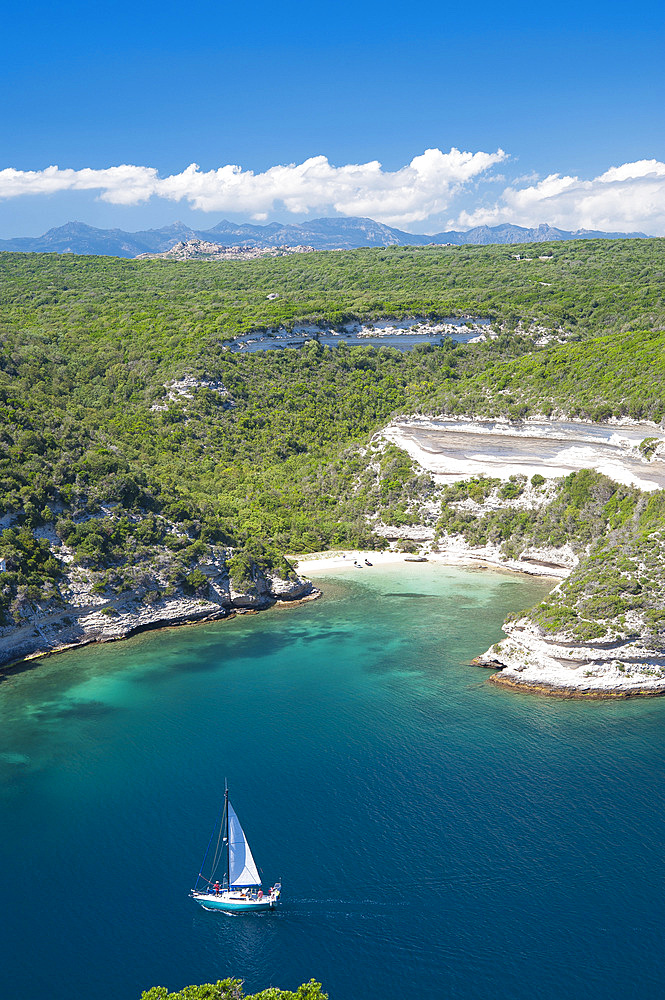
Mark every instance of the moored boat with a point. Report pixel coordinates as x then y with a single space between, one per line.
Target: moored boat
240 888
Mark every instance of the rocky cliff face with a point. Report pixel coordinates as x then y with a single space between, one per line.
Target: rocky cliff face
87 618
601 630
531 660
267 588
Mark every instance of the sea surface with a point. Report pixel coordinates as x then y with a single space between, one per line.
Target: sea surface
435 836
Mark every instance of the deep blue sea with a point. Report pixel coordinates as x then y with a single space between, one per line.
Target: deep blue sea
435 836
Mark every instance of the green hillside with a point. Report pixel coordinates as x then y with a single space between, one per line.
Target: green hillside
619 375
267 451
167 311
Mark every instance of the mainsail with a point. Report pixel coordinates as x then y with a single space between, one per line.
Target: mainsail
242 867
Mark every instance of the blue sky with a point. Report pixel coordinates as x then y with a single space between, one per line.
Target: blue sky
567 90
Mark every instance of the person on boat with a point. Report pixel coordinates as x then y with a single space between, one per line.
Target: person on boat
216 888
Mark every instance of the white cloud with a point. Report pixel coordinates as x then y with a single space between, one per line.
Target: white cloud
627 198
630 196
124 185
422 188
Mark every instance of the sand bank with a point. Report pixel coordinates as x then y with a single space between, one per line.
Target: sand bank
319 563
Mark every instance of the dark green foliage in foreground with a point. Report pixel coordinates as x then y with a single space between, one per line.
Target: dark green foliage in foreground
231 989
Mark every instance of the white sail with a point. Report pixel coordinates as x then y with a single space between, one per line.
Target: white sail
242 866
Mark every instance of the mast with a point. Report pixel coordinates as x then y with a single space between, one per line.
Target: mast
226 833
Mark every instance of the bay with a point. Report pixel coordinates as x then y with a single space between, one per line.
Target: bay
435 836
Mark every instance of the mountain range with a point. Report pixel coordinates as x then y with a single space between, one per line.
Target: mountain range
322 234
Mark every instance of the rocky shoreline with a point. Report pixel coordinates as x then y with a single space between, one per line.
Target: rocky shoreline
528 660
573 694
535 455
73 626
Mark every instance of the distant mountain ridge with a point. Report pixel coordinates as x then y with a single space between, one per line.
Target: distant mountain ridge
322 234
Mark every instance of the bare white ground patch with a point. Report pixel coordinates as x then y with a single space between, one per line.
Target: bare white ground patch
452 449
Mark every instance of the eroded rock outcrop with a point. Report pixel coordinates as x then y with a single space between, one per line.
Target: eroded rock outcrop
89 619
530 659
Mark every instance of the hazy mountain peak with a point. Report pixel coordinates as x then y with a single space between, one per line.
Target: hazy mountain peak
334 233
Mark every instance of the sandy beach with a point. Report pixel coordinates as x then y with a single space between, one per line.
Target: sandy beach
319 563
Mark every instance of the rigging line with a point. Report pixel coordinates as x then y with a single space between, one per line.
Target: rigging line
203 863
219 837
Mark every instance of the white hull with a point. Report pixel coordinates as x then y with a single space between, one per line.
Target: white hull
234 901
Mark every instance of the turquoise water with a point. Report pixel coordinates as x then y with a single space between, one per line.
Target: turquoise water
435 836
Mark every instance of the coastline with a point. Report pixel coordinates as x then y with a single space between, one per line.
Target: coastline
529 662
318 563
499 679
92 627
128 630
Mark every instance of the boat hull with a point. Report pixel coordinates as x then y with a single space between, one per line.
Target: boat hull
232 903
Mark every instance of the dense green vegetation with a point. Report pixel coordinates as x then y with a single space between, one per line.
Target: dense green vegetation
176 311
231 989
621 578
270 458
622 529
268 452
609 376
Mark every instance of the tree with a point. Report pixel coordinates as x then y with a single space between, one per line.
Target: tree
231 989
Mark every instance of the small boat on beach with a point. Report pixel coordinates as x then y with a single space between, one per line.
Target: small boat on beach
240 888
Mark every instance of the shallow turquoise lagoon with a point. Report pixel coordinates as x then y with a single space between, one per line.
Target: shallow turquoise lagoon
435 836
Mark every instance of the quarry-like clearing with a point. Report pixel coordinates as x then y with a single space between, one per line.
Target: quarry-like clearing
452 449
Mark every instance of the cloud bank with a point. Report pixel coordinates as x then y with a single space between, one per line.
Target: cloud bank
422 188
626 197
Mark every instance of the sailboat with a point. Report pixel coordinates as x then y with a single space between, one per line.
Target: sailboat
240 889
